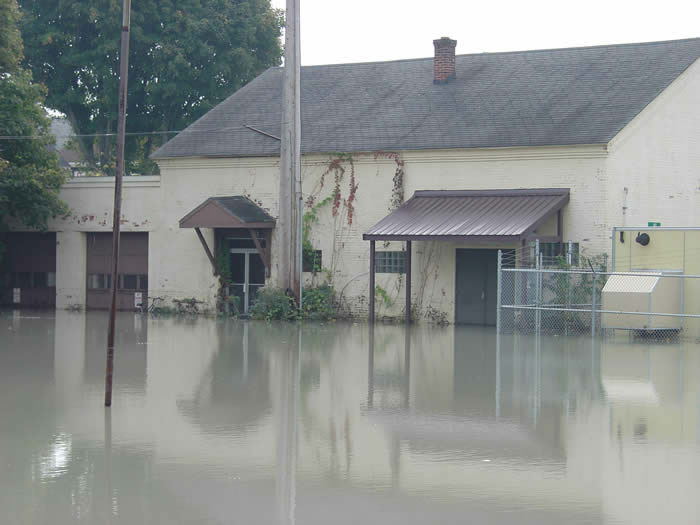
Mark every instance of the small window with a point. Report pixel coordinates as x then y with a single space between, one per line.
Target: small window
129 281
313 261
143 281
390 262
51 279
553 252
245 242
99 281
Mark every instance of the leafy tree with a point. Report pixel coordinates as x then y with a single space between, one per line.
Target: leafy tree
185 57
30 178
10 39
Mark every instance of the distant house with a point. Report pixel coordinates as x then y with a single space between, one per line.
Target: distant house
69 156
460 155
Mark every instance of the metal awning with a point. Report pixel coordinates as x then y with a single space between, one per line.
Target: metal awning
470 215
228 212
235 212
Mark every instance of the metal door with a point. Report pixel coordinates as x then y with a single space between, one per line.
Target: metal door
475 293
247 276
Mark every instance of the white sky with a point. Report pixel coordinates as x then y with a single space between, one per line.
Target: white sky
336 31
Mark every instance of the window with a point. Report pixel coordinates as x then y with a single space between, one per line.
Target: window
554 252
390 262
313 261
143 281
129 281
99 281
245 242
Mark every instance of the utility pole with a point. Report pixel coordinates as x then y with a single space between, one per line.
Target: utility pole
290 202
121 128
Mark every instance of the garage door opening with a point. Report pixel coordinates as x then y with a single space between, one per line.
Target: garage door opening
28 271
132 287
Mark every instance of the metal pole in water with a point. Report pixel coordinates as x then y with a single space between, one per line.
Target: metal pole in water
121 128
499 278
593 303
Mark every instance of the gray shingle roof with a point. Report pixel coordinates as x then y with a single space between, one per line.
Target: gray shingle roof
529 98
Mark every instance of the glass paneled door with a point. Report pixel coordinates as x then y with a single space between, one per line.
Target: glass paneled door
247 276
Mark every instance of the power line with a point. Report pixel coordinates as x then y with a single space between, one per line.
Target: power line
38 137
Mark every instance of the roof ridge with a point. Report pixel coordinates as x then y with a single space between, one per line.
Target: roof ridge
513 52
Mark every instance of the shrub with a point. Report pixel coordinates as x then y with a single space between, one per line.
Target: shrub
318 303
273 304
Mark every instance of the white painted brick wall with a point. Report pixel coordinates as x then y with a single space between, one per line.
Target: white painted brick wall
657 158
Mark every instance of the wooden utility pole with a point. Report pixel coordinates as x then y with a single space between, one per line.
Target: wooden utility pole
290 158
121 128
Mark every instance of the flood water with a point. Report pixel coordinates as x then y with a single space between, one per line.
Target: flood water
252 422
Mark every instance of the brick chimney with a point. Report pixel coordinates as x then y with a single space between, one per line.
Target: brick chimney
444 62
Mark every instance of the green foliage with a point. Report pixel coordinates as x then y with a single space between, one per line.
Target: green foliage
308 220
30 178
185 57
273 304
10 38
571 289
381 294
318 303
223 263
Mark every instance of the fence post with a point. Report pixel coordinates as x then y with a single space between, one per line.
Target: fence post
499 300
593 303
538 291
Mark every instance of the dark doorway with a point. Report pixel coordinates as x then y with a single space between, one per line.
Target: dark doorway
475 293
28 270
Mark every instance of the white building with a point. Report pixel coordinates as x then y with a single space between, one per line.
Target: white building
614 129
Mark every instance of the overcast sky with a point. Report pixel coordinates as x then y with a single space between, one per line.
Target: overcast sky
337 31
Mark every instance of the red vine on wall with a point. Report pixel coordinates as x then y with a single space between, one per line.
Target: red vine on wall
336 167
397 192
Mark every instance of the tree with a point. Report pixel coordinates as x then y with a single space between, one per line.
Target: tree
30 178
185 57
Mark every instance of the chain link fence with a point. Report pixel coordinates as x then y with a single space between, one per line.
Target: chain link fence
575 301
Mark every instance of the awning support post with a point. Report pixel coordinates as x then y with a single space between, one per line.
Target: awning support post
408 282
371 281
262 252
207 250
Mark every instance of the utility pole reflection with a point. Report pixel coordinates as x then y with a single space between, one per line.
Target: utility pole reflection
289 390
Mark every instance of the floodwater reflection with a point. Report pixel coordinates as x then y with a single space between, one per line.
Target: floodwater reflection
249 422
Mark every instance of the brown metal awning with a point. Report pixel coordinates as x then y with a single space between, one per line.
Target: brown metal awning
228 212
470 215
236 212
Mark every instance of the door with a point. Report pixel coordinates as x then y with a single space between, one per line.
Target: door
475 293
247 276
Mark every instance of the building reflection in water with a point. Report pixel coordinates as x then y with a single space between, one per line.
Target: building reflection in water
278 423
